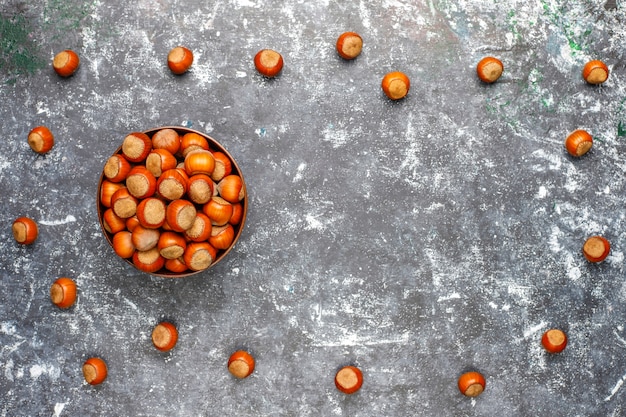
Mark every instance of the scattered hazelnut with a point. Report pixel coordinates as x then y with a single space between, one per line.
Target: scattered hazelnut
176 266
112 222
124 205
349 379
151 213
25 230
65 63
144 238
489 69
596 249
172 184
200 188
164 336
136 146
554 340
63 292
396 85
471 384
241 364
201 229
179 60
218 210
107 190
349 45
167 139
268 62
223 166
94 371
199 161
235 219
192 141
123 244
231 188
199 255
595 72
148 261
578 143
221 236
180 215
159 161
172 245
140 182
40 139
116 168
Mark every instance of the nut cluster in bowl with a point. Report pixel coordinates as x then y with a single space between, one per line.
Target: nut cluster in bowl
171 201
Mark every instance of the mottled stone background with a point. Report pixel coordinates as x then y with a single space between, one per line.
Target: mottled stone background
416 239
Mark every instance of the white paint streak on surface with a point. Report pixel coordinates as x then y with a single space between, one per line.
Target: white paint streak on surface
313 223
616 257
68 219
453 296
522 293
38 370
299 173
43 108
534 329
203 71
58 409
130 303
573 271
555 233
7 328
336 137
355 340
4 164
619 338
616 388
245 3
542 193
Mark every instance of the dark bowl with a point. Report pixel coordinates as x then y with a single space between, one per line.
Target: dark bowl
238 228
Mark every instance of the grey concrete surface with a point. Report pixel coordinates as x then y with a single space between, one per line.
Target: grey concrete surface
415 239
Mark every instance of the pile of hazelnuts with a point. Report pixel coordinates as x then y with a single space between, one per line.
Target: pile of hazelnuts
171 202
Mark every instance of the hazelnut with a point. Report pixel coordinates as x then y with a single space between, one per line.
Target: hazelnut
63 292
596 249
396 85
268 62
164 336
349 45
241 364
148 261
595 72
489 69
136 146
65 63
471 384
179 60
25 230
554 340
199 255
94 371
40 139
578 143
116 168
123 244
349 379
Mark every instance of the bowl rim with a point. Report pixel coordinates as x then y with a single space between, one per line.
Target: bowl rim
214 144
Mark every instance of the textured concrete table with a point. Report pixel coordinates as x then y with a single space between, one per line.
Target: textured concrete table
415 239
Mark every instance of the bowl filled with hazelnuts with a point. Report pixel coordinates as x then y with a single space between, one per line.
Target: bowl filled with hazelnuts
171 201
